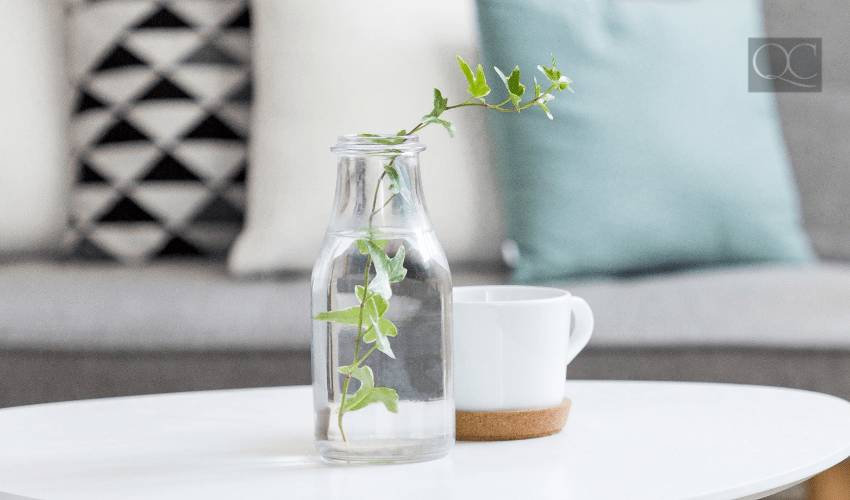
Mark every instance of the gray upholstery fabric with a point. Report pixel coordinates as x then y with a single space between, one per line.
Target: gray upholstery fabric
816 124
32 376
198 307
173 306
814 370
748 306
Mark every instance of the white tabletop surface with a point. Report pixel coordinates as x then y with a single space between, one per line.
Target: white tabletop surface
623 441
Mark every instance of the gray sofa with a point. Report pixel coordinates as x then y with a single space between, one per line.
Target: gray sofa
78 330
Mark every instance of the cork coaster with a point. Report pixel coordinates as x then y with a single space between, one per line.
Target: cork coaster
507 425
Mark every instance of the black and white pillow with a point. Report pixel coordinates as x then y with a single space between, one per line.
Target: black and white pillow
159 128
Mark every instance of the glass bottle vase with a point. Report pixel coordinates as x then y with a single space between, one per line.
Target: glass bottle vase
381 307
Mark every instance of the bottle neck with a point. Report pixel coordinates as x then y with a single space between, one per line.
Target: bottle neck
379 191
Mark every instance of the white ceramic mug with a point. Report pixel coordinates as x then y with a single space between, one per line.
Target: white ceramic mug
511 345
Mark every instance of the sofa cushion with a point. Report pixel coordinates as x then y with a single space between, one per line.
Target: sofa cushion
173 306
33 151
661 160
324 68
198 307
160 127
758 306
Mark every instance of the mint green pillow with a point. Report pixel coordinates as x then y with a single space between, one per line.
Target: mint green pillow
661 160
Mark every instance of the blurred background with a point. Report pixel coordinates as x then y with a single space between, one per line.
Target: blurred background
166 181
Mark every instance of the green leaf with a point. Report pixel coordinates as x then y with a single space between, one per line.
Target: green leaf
365 376
381 283
477 83
367 393
374 299
397 185
379 333
374 306
551 73
515 88
364 248
480 89
514 85
542 100
426 120
367 383
401 132
384 395
383 344
350 316
385 327
396 268
386 271
564 83
356 401
466 71
395 178
556 77
440 104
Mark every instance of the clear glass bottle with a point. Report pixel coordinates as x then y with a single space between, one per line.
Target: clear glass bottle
381 298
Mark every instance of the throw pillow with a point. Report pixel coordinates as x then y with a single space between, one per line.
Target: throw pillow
326 68
661 160
33 150
159 127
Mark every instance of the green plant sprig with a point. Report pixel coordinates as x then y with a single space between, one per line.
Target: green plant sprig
479 90
372 326
374 295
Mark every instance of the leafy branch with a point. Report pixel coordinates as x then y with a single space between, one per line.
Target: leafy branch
374 294
372 326
479 90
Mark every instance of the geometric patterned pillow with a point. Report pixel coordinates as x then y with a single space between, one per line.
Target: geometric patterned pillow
159 128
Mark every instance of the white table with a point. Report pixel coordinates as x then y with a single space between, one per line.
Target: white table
623 441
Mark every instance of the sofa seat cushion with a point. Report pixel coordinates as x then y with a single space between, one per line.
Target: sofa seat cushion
757 306
161 306
194 307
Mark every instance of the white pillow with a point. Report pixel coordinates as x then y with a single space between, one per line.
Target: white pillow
34 176
324 68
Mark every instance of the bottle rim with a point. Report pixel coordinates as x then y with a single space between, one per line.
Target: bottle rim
378 144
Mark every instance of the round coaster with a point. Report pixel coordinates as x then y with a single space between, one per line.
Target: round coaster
507 425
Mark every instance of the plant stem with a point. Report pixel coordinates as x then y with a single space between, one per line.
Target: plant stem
385 204
360 332
356 347
497 107
357 363
375 198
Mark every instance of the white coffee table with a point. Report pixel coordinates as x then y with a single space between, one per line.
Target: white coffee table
623 441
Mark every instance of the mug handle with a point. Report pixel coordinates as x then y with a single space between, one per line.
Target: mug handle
583 327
